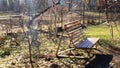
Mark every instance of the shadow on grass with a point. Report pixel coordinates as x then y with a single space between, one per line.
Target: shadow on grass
110 45
73 62
100 61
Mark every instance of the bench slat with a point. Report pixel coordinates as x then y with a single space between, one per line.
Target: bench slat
78 35
79 38
75 30
72 27
76 21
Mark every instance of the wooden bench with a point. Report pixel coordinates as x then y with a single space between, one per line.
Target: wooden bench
77 37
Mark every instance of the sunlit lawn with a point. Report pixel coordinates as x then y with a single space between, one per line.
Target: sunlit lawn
103 32
100 31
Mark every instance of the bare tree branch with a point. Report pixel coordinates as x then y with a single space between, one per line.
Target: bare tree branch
46 10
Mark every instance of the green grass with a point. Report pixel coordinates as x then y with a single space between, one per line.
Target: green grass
100 31
103 32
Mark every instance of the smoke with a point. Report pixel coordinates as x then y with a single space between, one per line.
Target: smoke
33 25
32 7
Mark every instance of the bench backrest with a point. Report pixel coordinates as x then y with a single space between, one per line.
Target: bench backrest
75 32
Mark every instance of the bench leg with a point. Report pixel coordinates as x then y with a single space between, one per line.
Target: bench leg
89 53
98 43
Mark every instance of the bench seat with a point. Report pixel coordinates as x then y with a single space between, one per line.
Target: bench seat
87 43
